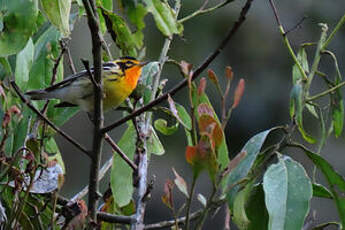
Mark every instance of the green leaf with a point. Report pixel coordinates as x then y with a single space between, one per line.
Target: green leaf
52 149
164 17
321 191
296 110
6 67
120 33
121 178
136 16
239 211
162 126
252 148
288 191
148 73
185 119
18 18
337 107
23 65
46 48
302 59
256 210
334 179
154 145
58 13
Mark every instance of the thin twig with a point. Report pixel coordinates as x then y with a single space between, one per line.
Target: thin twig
196 73
117 149
51 124
70 61
169 223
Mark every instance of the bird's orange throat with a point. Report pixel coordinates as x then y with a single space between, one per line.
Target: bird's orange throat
132 76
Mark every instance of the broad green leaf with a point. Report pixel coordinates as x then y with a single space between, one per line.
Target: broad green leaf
58 13
136 16
54 153
288 191
296 110
18 18
256 210
185 119
23 65
46 47
239 210
121 178
321 191
148 73
120 33
334 179
252 148
162 126
164 17
154 145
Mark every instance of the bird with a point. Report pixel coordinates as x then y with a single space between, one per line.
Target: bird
120 78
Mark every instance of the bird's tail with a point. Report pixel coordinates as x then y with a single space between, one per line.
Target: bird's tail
39 95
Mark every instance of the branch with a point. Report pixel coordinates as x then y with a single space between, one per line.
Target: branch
169 223
103 216
196 73
43 117
93 22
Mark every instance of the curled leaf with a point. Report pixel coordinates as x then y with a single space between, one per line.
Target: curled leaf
167 198
228 73
185 68
202 86
213 77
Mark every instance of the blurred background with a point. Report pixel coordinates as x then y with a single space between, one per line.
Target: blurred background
256 54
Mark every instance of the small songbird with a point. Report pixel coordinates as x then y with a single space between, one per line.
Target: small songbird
120 78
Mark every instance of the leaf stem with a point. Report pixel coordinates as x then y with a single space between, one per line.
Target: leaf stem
189 202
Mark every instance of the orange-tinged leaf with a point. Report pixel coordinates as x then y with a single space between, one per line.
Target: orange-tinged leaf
191 153
238 93
212 76
228 73
202 86
167 198
207 124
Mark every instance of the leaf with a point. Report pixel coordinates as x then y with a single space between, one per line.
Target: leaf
18 18
337 107
181 183
154 145
238 93
162 126
164 17
180 114
121 179
288 191
167 198
149 71
334 179
258 219
252 149
321 191
208 124
58 12
21 130
302 59
136 14
202 199
296 110
54 154
23 65
240 216
120 33
5 67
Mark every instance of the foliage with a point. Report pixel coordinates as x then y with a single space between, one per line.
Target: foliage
263 187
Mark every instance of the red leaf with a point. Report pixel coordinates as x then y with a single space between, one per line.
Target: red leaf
207 124
204 108
212 76
228 73
191 154
202 86
238 93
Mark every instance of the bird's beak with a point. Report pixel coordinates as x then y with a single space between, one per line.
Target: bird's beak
143 63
